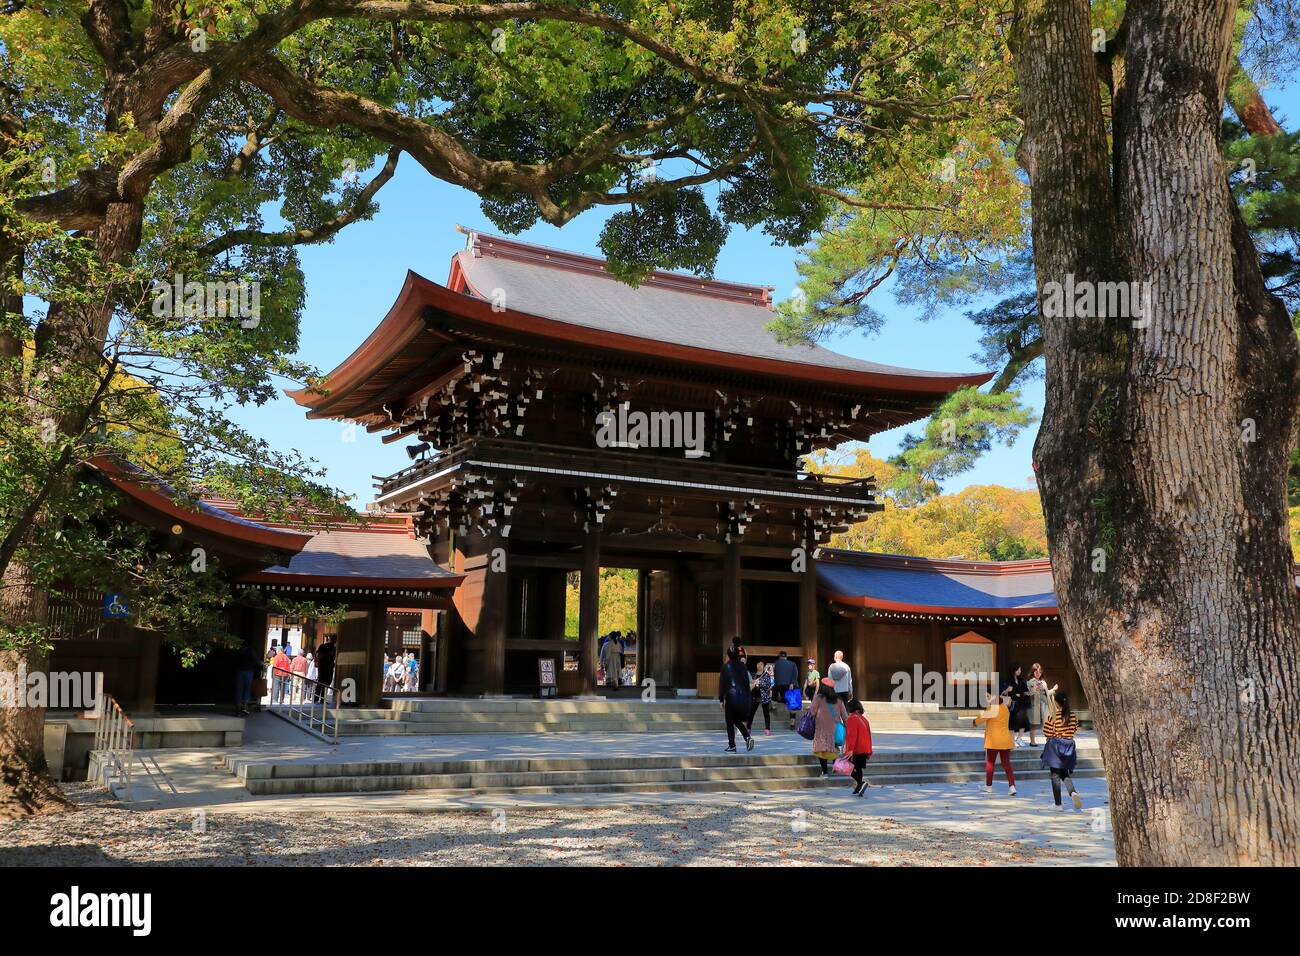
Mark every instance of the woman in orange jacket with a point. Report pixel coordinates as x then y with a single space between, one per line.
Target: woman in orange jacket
857 744
997 741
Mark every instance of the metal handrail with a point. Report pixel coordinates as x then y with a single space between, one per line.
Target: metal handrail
309 707
115 736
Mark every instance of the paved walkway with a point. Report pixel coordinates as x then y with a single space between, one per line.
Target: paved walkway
267 737
201 779
946 813
902 826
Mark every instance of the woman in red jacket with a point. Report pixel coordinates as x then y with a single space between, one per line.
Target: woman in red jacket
857 744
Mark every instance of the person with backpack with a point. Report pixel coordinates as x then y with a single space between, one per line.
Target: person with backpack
827 713
736 699
1059 754
785 677
857 744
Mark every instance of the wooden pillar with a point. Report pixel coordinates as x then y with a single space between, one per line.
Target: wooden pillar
808 636
374 690
147 677
494 615
732 607
428 650
589 609
684 615
447 622
858 658
643 652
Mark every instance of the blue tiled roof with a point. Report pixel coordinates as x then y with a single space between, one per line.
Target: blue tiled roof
949 584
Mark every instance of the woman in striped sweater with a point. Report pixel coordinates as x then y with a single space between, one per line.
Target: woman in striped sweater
1059 754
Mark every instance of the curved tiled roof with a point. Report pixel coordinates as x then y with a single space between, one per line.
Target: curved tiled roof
346 557
922 585
161 500
724 317
520 290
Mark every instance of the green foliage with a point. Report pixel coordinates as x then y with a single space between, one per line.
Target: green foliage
979 523
761 113
963 238
962 428
618 602
1266 182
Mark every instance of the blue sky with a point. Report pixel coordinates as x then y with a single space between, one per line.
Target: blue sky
352 282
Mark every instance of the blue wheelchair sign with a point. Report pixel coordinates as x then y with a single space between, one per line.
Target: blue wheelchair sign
115 605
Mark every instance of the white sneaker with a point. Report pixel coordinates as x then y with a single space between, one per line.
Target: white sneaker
1011 791
988 789
1060 806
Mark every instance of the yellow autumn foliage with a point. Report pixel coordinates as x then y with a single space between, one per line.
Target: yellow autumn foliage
981 522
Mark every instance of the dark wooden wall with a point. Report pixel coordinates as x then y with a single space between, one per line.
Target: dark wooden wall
877 648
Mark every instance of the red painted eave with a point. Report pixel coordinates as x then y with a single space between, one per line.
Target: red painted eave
447 583
289 542
851 600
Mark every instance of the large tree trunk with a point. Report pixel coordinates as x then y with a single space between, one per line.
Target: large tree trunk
26 787
1163 449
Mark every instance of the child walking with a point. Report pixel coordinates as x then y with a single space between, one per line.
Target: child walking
857 744
997 741
1059 754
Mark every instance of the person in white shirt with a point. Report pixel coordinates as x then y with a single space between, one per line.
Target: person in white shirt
840 673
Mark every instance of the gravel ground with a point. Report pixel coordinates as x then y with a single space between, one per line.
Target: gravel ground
100 833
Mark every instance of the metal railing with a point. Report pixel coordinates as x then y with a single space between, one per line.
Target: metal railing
115 741
310 705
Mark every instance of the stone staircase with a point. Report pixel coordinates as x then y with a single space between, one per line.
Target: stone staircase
640 774
404 716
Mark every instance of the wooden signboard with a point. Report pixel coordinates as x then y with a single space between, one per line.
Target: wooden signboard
970 653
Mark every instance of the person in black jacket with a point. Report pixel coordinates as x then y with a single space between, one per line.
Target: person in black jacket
785 676
325 656
736 700
247 663
1017 689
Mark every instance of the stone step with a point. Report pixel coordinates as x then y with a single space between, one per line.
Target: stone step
586 781
363 728
493 705
246 767
415 716
439 716
631 774
648 714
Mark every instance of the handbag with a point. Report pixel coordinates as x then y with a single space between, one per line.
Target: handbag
794 699
807 728
843 766
839 732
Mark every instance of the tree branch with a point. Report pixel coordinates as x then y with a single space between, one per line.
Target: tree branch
322 233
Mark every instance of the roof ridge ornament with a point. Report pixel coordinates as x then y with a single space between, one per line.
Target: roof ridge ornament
471 241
